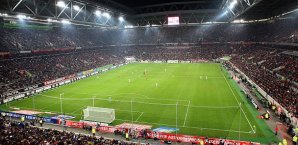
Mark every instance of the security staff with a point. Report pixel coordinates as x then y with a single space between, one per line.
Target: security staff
295 139
93 131
23 119
3 114
40 122
267 116
284 142
127 136
201 142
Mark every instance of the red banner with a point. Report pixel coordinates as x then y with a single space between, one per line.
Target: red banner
169 136
196 139
106 129
59 80
74 124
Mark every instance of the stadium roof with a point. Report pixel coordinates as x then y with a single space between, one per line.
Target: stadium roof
196 11
150 12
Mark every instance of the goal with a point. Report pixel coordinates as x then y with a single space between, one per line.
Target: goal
105 115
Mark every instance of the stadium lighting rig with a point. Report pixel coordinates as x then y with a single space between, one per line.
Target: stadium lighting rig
3 14
61 4
232 4
65 22
76 8
77 12
97 13
121 19
21 16
239 21
107 15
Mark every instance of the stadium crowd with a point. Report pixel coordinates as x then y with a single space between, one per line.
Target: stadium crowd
273 71
271 68
266 66
19 133
277 31
20 72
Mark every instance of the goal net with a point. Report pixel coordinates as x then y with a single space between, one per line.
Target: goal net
98 114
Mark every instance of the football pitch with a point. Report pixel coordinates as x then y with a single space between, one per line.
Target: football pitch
198 99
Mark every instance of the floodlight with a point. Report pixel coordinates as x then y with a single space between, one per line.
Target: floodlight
21 16
61 4
106 14
49 20
97 13
76 7
238 21
128 26
121 19
233 4
65 22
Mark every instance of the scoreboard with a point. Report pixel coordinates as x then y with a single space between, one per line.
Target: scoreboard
173 21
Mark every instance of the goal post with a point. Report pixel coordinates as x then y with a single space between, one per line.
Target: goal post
105 115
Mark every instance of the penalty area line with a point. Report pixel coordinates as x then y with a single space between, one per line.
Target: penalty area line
139 116
186 113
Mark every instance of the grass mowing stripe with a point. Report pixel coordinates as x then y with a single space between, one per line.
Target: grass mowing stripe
238 102
211 111
186 113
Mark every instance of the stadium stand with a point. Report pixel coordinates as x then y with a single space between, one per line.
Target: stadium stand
274 70
13 132
66 37
16 75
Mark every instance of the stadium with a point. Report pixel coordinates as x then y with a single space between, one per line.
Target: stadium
150 72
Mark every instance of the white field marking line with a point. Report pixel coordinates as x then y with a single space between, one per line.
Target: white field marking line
213 107
71 99
181 76
123 101
78 109
238 103
246 132
43 110
51 105
111 94
146 97
186 113
140 116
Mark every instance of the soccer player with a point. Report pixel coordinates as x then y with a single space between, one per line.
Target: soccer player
145 74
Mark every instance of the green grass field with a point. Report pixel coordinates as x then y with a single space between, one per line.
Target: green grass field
199 98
